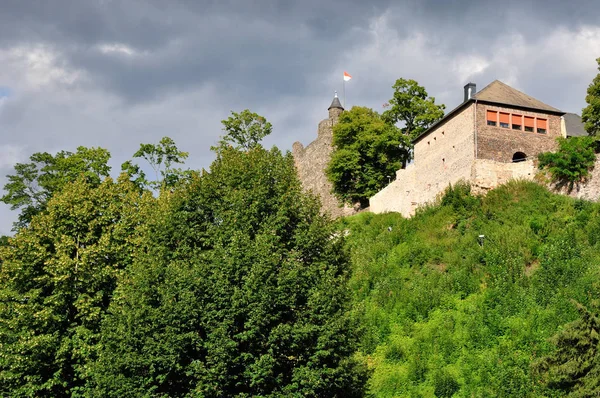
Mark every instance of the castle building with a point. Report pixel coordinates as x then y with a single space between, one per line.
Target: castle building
492 137
312 160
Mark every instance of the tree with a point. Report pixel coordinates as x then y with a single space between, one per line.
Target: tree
34 183
412 108
241 292
56 282
367 153
245 130
574 367
573 160
591 113
161 158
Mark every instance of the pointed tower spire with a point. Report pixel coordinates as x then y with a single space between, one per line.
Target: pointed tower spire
335 103
335 109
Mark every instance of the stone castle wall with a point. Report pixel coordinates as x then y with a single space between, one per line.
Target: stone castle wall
488 174
311 162
443 157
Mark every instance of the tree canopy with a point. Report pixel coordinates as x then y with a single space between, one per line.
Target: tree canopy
56 282
367 153
572 162
245 130
591 113
241 291
34 183
161 157
574 368
412 108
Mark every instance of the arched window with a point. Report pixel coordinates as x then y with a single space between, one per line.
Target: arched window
519 157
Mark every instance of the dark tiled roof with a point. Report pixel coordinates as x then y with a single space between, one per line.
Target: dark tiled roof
500 93
574 125
336 103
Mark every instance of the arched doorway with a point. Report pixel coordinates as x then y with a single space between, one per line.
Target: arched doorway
519 157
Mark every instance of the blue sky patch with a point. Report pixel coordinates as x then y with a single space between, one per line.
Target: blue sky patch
4 91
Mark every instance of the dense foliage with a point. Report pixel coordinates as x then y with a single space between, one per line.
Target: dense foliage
573 160
575 367
245 130
34 183
412 108
240 291
591 113
230 283
447 313
368 151
56 281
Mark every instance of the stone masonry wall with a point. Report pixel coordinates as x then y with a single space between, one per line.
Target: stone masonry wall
500 144
443 157
311 162
588 190
488 174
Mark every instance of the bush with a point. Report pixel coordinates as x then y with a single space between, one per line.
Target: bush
573 160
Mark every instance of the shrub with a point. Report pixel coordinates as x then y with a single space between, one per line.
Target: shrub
573 160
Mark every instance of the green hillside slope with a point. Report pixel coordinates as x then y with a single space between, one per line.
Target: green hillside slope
446 313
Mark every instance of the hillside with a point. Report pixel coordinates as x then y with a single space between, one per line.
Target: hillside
445 313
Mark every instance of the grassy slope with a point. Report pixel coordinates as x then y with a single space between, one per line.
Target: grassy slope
444 316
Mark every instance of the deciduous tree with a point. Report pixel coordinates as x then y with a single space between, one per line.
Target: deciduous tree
56 282
591 113
412 108
161 157
34 183
245 130
367 153
242 292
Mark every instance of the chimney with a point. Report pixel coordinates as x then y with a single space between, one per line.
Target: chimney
470 90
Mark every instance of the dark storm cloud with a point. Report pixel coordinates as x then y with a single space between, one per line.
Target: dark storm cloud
179 44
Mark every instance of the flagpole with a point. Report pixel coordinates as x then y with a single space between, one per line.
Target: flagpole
344 90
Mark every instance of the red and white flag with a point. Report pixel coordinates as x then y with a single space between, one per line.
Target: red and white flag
347 76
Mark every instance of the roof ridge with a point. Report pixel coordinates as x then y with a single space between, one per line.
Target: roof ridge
501 93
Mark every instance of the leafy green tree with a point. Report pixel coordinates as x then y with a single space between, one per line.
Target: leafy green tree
241 291
591 113
367 153
245 130
412 107
574 367
161 157
56 281
34 183
572 161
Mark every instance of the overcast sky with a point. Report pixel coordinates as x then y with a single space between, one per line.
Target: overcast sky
116 74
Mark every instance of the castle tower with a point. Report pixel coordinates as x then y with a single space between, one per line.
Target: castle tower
335 109
312 161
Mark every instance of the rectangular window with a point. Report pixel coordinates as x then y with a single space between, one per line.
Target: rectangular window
492 118
529 123
542 126
517 122
504 120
